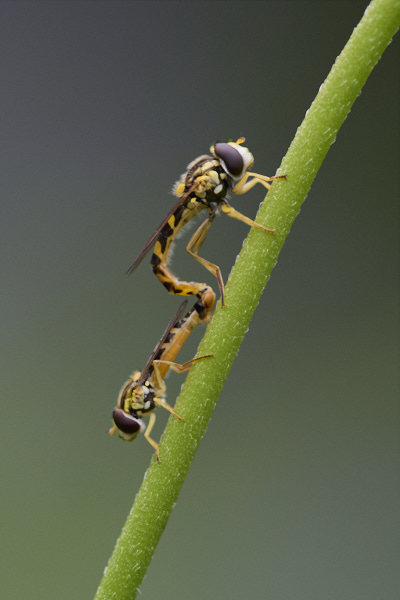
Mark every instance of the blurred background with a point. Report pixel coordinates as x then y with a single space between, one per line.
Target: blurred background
294 491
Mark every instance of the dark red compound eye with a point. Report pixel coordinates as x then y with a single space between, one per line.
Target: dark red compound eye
125 422
231 157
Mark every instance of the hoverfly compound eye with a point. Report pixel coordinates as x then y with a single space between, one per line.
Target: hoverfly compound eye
231 157
127 425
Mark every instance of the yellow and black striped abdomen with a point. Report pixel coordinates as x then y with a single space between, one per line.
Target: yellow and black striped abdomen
163 246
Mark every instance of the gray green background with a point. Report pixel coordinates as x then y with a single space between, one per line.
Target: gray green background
294 491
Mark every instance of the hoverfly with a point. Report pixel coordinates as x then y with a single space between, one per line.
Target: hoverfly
145 390
203 186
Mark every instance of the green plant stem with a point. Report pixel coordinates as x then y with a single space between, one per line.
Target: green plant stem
162 483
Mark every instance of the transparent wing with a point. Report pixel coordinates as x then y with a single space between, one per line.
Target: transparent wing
153 238
170 325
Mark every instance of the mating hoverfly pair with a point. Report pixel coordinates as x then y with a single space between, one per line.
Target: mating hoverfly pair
203 186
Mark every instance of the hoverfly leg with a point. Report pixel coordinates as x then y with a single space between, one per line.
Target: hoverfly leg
193 247
149 427
227 209
244 185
